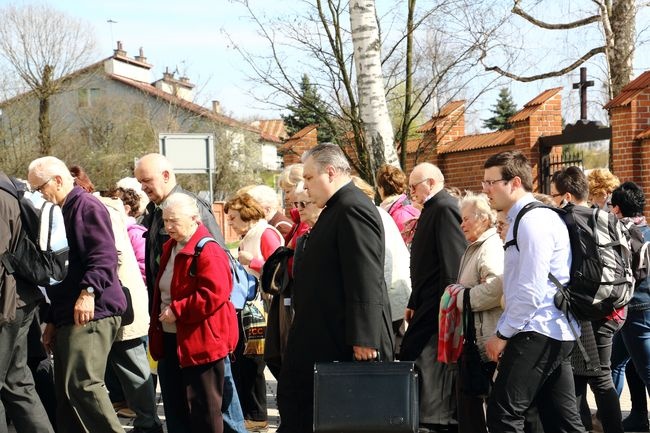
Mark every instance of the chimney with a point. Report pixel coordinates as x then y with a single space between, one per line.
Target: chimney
120 50
184 79
216 107
141 58
168 75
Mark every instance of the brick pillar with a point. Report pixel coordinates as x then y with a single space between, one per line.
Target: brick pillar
536 120
629 114
446 127
299 143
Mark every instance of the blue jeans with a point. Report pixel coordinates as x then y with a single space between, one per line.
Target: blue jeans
632 342
233 417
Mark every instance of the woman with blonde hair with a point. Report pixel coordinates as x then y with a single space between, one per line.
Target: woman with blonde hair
259 240
601 184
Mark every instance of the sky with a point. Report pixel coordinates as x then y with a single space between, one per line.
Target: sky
188 36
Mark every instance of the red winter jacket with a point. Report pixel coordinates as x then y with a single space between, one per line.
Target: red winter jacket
206 323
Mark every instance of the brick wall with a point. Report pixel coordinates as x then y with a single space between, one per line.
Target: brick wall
464 170
631 156
222 219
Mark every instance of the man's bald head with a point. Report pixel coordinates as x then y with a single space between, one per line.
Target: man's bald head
425 180
156 175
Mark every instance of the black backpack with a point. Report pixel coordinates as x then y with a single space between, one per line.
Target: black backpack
601 278
34 258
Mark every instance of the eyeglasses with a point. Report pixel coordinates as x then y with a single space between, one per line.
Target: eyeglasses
302 204
556 195
40 188
413 185
490 183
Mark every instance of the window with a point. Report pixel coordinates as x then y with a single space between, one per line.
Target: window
86 97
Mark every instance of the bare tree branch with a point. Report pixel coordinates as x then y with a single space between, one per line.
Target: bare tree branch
557 73
564 26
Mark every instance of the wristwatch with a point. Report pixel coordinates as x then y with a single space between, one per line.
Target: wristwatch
501 336
90 290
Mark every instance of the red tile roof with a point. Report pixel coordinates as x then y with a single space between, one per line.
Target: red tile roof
633 88
288 144
182 103
304 131
444 112
534 104
272 127
478 141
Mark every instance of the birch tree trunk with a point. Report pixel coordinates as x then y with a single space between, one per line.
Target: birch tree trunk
620 34
373 109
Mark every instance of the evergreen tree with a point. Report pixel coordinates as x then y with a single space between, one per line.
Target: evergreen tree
503 110
310 109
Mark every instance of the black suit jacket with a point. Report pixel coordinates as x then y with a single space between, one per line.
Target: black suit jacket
339 291
437 247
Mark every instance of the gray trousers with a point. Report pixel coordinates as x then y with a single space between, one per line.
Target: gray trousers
80 357
129 362
19 398
437 386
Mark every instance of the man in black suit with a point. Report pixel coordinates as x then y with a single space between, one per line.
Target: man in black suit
341 303
438 245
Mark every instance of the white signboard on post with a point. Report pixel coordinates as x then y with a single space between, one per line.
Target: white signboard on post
189 153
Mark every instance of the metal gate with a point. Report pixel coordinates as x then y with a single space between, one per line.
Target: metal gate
552 163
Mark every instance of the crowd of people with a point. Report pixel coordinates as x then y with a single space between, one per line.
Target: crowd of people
365 282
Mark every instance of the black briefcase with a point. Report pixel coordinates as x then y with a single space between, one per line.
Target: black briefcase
365 397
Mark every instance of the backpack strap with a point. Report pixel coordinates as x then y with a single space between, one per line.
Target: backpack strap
197 252
565 309
527 208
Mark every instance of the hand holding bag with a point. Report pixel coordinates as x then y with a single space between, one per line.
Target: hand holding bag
473 375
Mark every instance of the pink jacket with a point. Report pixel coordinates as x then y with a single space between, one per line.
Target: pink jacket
401 210
136 236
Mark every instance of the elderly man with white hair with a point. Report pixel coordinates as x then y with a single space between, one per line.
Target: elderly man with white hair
437 247
86 309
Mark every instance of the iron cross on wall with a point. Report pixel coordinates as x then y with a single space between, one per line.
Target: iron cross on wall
582 85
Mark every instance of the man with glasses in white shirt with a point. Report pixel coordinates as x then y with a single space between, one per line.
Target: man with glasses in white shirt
533 341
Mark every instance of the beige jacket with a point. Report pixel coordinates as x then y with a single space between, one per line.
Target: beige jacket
481 270
129 272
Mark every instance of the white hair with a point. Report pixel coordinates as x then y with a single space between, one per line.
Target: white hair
181 203
265 196
49 166
481 205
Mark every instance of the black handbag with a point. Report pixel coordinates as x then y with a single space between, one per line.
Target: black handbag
128 316
474 374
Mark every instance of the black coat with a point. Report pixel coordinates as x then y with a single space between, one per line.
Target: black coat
436 250
339 292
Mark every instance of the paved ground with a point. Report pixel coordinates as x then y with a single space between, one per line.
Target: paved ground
274 415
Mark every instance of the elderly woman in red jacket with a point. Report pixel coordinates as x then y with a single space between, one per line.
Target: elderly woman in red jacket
193 322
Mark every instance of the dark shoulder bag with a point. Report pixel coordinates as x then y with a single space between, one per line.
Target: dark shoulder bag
473 372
